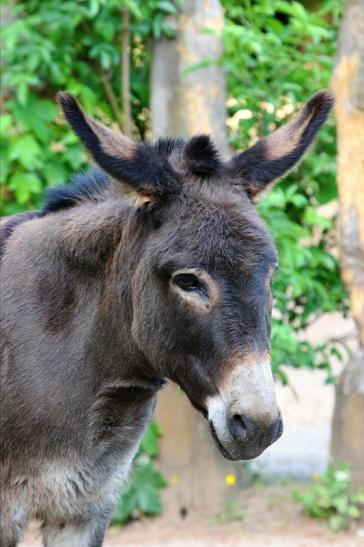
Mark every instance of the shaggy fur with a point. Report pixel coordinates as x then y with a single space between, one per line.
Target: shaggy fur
157 266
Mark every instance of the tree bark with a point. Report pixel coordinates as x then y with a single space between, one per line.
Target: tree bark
348 84
185 102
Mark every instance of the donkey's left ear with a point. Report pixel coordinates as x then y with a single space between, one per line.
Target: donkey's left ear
274 155
136 166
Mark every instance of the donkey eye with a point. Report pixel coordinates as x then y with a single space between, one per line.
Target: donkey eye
190 283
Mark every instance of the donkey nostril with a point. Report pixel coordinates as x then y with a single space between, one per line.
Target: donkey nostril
278 430
238 427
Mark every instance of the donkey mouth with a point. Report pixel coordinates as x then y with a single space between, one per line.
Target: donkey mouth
248 452
222 449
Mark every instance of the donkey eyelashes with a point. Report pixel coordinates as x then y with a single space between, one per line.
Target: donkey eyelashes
153 172
190 283
196 288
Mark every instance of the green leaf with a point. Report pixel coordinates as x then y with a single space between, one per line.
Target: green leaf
167 7
141 494
55 173
4 165
134 8
94 7
353 512
5 124
22 92
24 185
149 500
358 497
125 507
26 150
36 116
150 441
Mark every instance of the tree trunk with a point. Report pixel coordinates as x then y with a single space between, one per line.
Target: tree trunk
348 84
185 99
186 102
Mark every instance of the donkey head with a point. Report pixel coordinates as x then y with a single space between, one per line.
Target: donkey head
200 279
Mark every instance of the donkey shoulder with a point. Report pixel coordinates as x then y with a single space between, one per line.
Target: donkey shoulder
9 223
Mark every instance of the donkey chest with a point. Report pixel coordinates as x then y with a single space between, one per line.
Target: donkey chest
66 489
80 481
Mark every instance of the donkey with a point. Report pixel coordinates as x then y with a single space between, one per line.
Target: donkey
155 266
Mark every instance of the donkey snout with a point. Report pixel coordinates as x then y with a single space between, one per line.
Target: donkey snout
245 429
244 417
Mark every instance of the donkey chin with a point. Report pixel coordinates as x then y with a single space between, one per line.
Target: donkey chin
244 418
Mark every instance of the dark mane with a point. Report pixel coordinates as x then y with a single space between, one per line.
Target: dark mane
165 146
84 185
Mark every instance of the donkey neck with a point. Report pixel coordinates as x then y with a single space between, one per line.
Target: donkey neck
100 251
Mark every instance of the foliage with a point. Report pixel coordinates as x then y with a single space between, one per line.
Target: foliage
333 499
277 54
74 45
141 494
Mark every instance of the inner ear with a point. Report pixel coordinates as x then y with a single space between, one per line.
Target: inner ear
273 156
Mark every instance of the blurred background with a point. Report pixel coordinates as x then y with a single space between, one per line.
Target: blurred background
236 69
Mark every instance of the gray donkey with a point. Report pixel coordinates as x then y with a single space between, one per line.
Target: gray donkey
155 266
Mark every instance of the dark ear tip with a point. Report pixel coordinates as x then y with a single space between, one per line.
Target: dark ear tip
322 100
66 101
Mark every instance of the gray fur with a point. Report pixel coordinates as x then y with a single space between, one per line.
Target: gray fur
94 313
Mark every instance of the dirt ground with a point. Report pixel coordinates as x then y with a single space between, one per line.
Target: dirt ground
266 517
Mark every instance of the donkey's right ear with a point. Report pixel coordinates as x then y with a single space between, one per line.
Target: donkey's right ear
273 156
134 165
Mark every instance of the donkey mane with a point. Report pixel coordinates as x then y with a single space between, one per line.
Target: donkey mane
87 186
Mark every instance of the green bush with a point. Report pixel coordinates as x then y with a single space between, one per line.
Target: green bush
49 45
332 498
141 495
